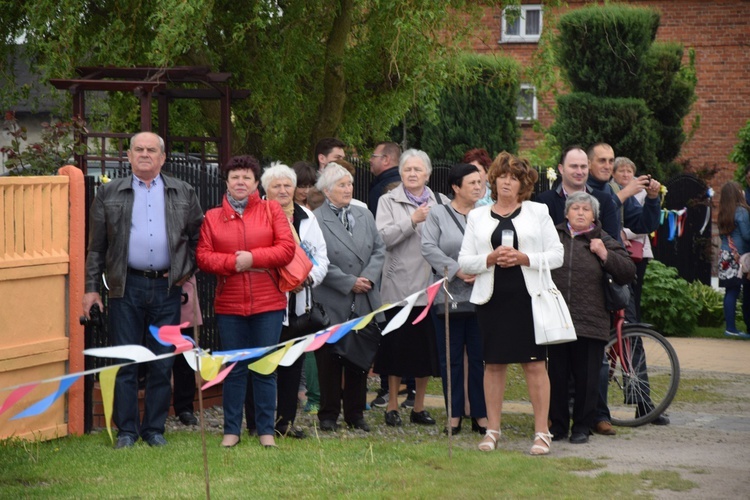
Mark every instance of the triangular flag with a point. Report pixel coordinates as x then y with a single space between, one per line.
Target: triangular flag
210 366
131 352
267 364
342 330
169 335
296 351
400 318
42 406
16 395
107 387
432 291
320 339
220 377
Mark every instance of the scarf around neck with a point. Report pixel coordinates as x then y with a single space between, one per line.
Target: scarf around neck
237 205
344 215
418 200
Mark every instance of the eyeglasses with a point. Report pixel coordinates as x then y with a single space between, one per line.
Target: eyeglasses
376 156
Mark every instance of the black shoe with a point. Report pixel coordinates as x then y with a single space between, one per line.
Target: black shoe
393 418
156 440
409 401
559 437
359 424
475 427
579 438
328 425
124 441
421 417
292 432
457 429
660 420
187 418
252 431
381 401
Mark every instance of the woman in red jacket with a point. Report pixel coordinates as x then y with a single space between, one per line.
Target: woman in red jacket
243 242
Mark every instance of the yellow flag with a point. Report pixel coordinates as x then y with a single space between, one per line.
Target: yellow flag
267 364
107 384
210 366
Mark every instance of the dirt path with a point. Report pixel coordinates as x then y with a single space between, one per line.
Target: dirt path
707 443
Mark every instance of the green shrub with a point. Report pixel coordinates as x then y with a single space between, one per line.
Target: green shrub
711 304
666 302
741 153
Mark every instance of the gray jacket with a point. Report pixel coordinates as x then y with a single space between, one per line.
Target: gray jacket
441 242
109 232
349 257
405 270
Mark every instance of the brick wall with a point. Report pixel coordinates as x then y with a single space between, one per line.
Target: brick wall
719 31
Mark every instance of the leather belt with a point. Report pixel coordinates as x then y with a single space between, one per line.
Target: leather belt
148 274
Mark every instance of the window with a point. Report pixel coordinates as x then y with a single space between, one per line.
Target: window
525 24
526 106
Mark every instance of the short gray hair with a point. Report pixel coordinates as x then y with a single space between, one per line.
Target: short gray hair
331 175
161 141
275 171
622 162
415 153
582 197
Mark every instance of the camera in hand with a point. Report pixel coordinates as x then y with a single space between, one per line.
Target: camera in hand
94 319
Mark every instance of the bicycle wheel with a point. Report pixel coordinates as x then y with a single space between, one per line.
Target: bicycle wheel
645 374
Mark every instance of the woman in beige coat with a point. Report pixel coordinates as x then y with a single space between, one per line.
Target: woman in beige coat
410 350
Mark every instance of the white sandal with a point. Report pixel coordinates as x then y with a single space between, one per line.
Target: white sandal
489 444
541 449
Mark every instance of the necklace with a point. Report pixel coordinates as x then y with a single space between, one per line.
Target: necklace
496 209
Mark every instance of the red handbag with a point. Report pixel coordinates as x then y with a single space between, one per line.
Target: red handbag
295 273
635 250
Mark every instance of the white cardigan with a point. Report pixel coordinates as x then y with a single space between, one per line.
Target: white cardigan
311 234
536 234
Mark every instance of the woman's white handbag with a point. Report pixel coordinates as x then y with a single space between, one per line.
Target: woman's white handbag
552 322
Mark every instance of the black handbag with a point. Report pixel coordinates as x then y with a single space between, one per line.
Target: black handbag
616 296
312 320
359 347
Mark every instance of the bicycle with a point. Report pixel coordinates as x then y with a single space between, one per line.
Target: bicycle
633 381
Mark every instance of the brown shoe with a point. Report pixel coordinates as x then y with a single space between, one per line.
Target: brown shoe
604 428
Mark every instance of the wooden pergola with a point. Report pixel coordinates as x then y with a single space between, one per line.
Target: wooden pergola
163 85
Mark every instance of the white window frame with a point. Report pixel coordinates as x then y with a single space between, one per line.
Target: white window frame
534 115
522 37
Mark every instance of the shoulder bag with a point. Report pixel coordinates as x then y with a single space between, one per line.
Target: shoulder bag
635 250
295 273
358 347
463 308
552 321
616 296
314 319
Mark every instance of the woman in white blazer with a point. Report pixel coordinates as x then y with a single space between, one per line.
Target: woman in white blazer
507 273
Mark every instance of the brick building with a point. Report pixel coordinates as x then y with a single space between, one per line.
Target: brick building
718 31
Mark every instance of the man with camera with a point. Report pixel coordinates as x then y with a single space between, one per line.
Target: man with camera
143 231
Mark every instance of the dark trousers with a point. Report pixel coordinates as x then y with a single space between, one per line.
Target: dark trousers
331 373
145 302
580 360
183 381
464 334
287 386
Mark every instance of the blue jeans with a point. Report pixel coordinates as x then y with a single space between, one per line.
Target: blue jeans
464 334
243 332
145 302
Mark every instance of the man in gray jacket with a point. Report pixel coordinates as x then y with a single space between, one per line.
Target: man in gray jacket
143 231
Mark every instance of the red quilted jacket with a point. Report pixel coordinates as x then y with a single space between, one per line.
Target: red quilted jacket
224 232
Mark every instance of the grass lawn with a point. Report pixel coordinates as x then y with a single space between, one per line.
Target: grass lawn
386 463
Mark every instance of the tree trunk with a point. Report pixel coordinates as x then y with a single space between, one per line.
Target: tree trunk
331 111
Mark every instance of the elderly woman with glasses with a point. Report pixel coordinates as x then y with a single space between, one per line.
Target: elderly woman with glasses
350 288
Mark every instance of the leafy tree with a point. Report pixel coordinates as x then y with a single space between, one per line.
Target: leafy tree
626 89
479 113
351 68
